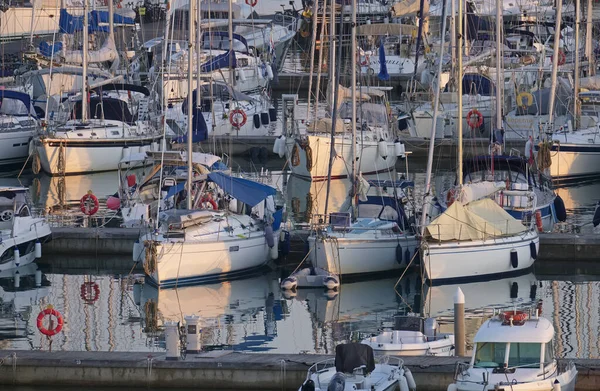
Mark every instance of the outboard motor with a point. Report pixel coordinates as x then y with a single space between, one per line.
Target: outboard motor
430 327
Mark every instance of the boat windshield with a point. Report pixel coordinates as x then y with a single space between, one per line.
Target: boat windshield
493 355
373 114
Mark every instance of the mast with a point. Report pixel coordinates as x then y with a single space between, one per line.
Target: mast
84 84
459 87
554 65
111 20
589 53
577 65
198 52
190 105
353 45
434 120
499 70
230 32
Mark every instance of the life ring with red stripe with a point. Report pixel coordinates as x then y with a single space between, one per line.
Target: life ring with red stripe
474 124
252 3
90 292
237 118
209 200
89 204
562 57
49 332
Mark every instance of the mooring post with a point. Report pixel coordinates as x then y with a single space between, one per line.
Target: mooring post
172 340
459 323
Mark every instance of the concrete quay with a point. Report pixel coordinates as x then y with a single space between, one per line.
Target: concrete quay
215 370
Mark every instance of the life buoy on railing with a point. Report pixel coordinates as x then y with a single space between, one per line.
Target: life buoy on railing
562 57
89 204
252 3
524 95
474 124
208 200
54 329
90 292
237 118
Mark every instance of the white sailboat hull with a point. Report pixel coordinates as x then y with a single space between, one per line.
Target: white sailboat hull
185 263
90 156
446 262
350 256
14 146
575 161
313 161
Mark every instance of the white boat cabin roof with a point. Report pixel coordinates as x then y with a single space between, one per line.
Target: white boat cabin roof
13 189
538 330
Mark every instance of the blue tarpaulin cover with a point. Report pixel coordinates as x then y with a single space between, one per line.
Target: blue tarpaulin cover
46 49
220 61
246 191
102 17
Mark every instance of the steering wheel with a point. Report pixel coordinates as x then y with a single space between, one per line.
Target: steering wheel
7 215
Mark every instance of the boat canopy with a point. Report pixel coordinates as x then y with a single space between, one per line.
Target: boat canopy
409 8
222 41
221 61
121 87
7 97
478 220
244 190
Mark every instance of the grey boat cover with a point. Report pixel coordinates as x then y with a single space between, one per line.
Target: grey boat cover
350 356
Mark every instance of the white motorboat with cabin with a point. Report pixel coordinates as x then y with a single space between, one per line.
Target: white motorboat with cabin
204 245
412 336
21 231
515 351
98 140
354 368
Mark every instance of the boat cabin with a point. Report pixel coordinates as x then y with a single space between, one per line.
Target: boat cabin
514 341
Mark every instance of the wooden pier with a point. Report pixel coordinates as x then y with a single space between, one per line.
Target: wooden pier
215 370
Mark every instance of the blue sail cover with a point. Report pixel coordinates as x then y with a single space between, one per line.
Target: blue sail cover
219 62
383 72
47 49
199 127
175 189
246 191
102 17
69 24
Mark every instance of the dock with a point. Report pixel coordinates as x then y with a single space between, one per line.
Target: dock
214 370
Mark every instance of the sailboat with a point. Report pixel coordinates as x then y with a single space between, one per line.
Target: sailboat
101 125
475 238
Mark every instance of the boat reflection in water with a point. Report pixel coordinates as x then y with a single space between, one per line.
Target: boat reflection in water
240 314
22 292
580 203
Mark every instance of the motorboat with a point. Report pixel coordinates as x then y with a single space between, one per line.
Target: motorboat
211 243
381 233
514 350
354 368
22 231
18 124
99 140
412 336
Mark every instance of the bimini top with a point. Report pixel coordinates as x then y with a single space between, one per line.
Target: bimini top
245 190
531 331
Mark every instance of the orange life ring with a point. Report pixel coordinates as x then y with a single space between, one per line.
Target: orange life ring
538 221
562 57
90 292
252 3
450 197
89 204
49 311
516 316
479 122
209 200
237 118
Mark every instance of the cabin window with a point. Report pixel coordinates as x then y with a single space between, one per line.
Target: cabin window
490 355
549 353
524 354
